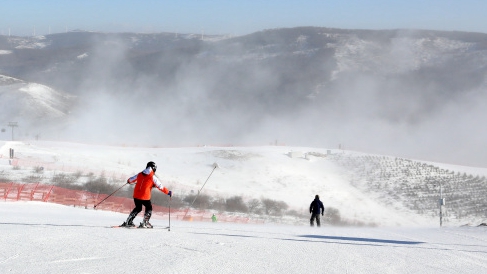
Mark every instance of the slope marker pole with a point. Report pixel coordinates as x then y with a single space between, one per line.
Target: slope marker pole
215 165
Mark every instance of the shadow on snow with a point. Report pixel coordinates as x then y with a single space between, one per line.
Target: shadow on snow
355 239
321 237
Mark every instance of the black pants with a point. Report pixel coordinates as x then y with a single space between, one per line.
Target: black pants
139 203
138 208
317 217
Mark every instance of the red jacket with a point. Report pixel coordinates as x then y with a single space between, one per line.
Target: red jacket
145 181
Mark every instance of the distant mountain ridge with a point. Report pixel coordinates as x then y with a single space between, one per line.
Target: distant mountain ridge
312 81
307 56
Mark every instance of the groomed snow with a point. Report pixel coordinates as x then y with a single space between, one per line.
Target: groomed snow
40 237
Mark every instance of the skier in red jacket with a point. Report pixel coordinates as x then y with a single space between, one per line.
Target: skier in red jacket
145 181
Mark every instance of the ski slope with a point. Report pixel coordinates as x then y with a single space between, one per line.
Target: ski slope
48 238
251 172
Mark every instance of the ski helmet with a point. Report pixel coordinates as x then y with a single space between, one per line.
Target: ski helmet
152 165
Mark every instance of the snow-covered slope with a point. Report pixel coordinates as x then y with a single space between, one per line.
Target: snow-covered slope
290 174
33 42
48 238
31 101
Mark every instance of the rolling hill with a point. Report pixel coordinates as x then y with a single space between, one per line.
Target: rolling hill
356 188
411 93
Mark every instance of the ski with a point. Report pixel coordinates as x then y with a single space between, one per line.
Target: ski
131 227
136 227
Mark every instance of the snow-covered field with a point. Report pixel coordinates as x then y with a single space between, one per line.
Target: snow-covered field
251 172
48 238
41 237
293 175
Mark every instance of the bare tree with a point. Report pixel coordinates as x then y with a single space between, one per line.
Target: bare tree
272 207
236 204
255 206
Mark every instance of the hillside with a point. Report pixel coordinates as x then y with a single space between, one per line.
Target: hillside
410 93
359 188
30 103
416 185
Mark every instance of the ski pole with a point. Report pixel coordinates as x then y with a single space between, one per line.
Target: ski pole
109 195
215 165
169 227
169 206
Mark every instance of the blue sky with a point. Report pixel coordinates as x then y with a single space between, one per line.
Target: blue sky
237 17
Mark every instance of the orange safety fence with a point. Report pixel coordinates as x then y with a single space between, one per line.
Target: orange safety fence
11 191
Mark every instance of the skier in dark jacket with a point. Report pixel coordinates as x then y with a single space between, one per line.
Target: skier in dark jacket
315 208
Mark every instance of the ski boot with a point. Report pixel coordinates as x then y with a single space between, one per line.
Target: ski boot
130 220
125 224
145 224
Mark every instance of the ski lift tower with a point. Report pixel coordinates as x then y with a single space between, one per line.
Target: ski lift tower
441 203
12 125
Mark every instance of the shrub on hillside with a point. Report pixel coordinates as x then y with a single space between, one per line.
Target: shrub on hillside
66 181
236 204
38 169
32 179
203 201
161 199
332 216
219 204
4 176
99 185
273 207
255 206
